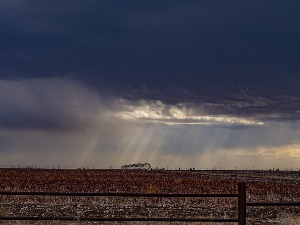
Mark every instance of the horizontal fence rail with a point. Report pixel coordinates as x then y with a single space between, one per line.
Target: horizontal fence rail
122 194
120 219
273 204
242 205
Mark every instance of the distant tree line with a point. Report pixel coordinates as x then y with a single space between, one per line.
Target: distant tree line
138 166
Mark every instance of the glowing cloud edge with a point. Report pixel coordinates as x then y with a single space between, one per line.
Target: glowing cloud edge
180 114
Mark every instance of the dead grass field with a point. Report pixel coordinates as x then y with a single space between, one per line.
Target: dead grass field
263 188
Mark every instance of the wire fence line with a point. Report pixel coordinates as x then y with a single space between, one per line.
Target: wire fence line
241 195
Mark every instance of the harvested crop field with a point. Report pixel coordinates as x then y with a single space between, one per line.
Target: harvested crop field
261 187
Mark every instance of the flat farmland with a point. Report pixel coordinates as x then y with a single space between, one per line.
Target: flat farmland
262 186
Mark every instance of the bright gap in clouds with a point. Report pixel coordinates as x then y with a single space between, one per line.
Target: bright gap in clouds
47 122
183 113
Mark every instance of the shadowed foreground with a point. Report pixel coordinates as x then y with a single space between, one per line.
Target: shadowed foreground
259 189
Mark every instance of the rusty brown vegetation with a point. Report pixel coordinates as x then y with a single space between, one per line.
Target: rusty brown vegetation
259 189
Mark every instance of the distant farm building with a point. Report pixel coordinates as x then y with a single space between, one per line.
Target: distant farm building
138 166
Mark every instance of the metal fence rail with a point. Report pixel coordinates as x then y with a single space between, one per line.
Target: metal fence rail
120 219
273 204
242 204
121 194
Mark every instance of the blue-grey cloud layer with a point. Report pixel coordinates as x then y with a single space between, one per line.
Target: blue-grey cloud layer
114 78
208 47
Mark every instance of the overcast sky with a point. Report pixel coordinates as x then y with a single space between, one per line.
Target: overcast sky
173 83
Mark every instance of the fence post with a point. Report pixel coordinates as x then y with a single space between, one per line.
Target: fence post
242 203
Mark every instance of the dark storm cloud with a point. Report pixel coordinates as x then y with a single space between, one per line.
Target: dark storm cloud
168 36
113 82
174 51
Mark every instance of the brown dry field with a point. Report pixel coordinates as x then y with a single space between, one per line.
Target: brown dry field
261 187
